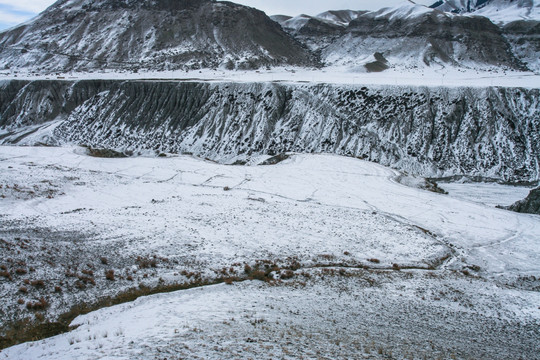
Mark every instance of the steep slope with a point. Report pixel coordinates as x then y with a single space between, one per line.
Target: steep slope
524 39
151 34
314 32
492 132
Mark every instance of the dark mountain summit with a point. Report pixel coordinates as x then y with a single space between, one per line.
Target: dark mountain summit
150 34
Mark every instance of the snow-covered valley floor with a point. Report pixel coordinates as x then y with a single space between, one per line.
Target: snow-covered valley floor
430 77
363 266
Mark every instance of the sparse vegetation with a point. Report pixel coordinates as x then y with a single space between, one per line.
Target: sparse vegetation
37 283
109 275
21 271
287 274
41 304
146 262
6 274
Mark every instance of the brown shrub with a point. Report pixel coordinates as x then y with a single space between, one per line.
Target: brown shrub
42 304
37 283
257 275
375 261
21 271
23 289
145 262
104 260
109 275
20 301
87 279
287 274
6 274
88 272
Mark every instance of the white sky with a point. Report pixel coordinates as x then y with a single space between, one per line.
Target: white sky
13 12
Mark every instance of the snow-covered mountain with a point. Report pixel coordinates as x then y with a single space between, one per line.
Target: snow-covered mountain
131 35
499 11
150 34
407 36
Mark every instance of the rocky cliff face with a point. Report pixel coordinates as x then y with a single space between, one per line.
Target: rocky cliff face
133 35
492 132
529 205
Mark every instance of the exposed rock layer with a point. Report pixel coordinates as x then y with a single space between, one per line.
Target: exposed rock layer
492 132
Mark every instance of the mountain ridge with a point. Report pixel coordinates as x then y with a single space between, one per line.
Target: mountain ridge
162 35
153 34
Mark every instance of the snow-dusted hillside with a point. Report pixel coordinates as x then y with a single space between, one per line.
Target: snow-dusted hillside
524 38
408 36
132 35
354 261
491 132
498 11
85 35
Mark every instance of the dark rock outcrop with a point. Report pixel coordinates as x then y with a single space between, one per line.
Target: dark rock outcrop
529 205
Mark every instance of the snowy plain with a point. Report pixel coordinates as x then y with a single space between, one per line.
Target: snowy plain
413 76
464 283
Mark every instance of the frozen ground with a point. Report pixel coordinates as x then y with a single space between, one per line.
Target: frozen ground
448 77
354 315
378 267
490 194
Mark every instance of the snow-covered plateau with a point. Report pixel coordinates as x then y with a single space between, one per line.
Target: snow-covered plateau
326 256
